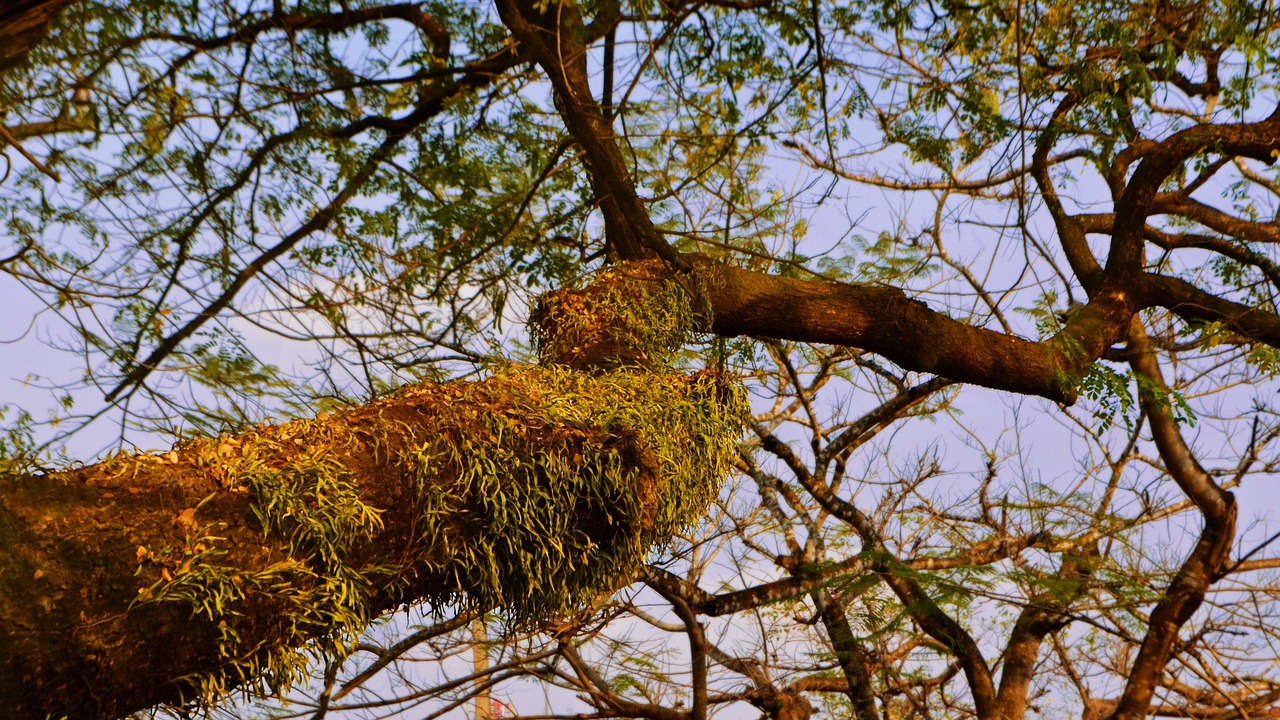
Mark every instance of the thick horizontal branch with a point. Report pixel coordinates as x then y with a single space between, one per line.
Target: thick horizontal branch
1192 303
885 321
1259 231
23 24
153 579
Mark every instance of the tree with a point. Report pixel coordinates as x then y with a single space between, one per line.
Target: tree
390 182
24 25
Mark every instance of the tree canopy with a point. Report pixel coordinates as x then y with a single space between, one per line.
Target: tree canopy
999 278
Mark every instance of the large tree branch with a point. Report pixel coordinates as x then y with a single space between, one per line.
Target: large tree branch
142 579
1102 223
1207 562
553 35
1250 700
879 319
73 123
1248 230
1259 141
884 320
1194 304
23 24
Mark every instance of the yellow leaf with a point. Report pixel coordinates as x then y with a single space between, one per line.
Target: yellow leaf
186 519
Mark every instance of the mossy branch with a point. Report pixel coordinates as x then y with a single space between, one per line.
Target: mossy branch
177 577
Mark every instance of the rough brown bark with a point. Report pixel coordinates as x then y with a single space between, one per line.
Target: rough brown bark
23 24
73 624
883 319
553 35
1044 613
1207 562
850 655
100 592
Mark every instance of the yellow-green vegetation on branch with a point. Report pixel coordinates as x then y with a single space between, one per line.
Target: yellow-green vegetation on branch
527 494
565 480
634 315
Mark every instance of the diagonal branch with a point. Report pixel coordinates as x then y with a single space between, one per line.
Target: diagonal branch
850 654
8 137
1210 558
23 24
553 35
918 604
428 106
1043 614
1258 140
318 221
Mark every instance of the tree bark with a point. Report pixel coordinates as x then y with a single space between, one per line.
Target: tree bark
166 578
23 24
883 319
1209 559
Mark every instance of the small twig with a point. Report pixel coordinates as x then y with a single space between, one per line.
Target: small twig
5 261
8 137
1244 558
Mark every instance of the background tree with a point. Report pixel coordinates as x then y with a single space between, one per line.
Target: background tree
1066 200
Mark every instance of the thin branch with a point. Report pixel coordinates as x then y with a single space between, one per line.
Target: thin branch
9 138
